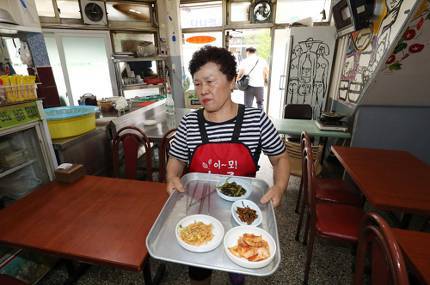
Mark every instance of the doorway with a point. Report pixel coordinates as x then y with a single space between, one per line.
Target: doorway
237 41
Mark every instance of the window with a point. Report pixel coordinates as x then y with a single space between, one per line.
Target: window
128 42
189 48
45 8
199 15
13 45
290 11
81 64
239 11
128 12
69 9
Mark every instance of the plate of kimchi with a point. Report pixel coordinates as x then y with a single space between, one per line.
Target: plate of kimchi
199 233
249 246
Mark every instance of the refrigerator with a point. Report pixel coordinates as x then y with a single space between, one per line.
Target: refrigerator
307 66
27 161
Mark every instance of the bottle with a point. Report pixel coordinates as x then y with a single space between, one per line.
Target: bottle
170 104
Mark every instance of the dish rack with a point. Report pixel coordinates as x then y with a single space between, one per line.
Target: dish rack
17 93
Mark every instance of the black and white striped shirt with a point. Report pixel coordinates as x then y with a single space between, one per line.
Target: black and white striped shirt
256 128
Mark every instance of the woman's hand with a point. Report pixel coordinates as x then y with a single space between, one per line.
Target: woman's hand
274 194
174 170
174 184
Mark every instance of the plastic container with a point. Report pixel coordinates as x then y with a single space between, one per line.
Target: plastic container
18 93
64 122
170 104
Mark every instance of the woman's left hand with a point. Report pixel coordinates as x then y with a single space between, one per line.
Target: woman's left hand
274 194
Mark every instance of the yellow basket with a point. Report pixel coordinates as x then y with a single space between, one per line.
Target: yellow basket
71 127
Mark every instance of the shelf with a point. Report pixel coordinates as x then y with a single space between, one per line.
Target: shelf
141 86
16 168
149 58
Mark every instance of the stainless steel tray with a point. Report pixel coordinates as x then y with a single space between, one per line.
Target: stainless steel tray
201 197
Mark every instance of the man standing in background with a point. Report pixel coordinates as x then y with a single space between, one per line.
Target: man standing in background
258 71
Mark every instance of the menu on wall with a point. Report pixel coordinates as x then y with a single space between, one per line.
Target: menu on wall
14 115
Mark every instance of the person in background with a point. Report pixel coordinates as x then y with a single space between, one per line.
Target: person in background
258 72
224 132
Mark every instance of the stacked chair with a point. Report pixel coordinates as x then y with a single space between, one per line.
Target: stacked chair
325 219
325 189
386 259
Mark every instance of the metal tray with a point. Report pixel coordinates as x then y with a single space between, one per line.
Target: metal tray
201 197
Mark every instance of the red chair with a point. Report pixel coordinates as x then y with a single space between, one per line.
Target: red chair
326 189
387 263
332 221
164 153
135 144
8 280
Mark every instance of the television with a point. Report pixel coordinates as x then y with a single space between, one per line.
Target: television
352 15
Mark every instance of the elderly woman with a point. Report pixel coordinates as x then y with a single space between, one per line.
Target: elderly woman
226 132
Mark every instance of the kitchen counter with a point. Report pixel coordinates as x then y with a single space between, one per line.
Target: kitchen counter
91 149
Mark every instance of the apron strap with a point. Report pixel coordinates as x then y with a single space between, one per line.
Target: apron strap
201 121
238 125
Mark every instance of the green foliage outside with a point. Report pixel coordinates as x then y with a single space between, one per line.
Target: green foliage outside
261 40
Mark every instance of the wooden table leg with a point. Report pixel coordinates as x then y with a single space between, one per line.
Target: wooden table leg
147 275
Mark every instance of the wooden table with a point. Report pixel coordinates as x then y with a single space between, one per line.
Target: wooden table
416 250
294 127
390 179
97 220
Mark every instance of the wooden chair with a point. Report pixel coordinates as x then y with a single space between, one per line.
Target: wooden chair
9 280
164 153
326 189
298 111
387 263
331 221
135 144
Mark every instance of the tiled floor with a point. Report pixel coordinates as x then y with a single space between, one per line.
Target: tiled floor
331 264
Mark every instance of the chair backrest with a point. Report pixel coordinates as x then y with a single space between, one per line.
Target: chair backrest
134 144
295 155
309 183
388 265
298 111
164 153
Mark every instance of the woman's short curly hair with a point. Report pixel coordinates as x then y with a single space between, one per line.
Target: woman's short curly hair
220 56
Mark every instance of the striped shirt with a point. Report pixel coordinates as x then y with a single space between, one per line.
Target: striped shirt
256 129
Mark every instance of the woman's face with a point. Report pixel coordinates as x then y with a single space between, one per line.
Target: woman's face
212 87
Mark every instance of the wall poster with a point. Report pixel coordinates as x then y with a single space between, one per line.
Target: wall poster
310 67
367 47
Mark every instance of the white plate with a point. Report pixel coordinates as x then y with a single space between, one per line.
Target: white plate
233 235
217 230
250 204
245 184
149 122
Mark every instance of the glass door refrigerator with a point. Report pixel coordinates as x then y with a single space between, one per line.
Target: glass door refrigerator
27 160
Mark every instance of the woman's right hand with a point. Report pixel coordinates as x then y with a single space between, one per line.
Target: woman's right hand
174 184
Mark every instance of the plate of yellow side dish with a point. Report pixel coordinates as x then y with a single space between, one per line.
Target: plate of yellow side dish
199 233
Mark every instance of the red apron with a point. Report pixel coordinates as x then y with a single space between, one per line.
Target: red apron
231 158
